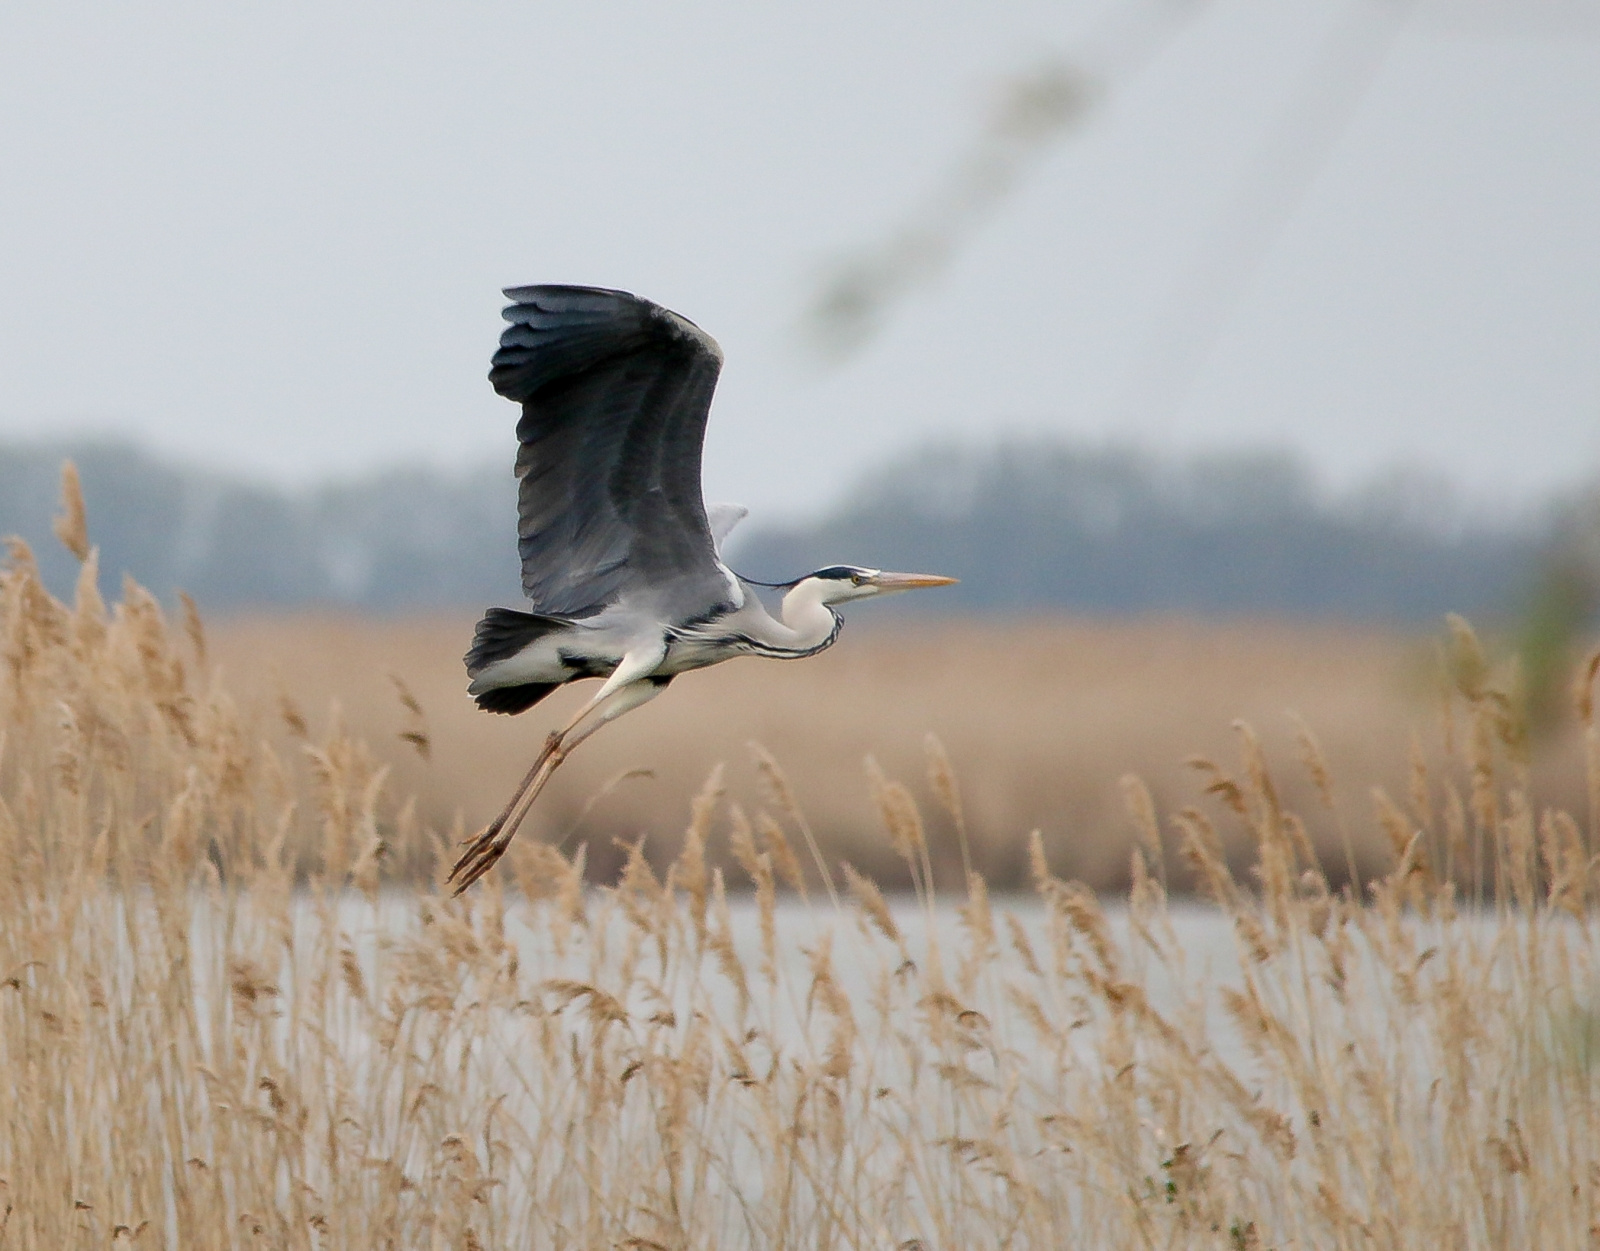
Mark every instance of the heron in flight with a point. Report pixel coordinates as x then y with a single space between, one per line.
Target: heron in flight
621 558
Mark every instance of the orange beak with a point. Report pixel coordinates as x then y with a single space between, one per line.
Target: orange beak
908 581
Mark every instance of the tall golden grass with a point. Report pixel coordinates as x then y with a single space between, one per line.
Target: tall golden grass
1040 719
219 1029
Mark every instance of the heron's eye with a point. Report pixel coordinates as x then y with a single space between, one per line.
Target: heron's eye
859 579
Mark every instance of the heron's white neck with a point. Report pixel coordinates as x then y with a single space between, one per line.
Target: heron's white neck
804 612
804 625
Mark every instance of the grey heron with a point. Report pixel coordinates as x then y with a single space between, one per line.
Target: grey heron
621 558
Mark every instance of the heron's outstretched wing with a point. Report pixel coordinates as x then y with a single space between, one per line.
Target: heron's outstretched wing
614 392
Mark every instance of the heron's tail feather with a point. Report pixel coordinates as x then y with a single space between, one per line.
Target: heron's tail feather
503 633
514 699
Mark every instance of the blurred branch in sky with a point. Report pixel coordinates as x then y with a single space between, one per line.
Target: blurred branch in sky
856 296
1042 105
1286 166
1035 109
1241 235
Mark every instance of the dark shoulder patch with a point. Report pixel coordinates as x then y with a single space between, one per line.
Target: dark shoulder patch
585 666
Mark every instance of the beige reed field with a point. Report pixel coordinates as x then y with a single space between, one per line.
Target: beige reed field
236 1011
1040 721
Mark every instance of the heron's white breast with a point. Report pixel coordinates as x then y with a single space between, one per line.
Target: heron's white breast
695 651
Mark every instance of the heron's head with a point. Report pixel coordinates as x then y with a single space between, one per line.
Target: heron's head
841 584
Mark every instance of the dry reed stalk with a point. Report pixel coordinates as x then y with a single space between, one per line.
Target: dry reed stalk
72 525
1141 809
775 845
978 920
416 733
782 797
942 781
872 904
903 824
742 842
689 870
1275 849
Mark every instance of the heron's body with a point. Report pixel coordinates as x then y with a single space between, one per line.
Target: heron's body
519 658
620 557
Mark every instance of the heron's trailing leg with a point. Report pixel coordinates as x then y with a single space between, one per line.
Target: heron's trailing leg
484 850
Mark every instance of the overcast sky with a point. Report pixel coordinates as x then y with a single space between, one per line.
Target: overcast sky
270 237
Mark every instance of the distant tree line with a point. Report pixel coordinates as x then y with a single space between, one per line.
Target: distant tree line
1039 525
1025 526
397 540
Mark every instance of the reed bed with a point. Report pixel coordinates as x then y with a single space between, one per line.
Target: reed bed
1040 717
221 1027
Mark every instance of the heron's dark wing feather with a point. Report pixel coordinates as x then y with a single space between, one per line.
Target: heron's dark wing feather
615 392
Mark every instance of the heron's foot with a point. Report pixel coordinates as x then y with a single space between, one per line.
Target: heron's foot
481 855
483 851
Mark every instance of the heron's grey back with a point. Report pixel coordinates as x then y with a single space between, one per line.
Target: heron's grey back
615 392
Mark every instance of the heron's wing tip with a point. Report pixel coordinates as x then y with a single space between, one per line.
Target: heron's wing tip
560 294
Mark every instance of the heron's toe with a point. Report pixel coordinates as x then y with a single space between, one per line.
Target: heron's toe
479 857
